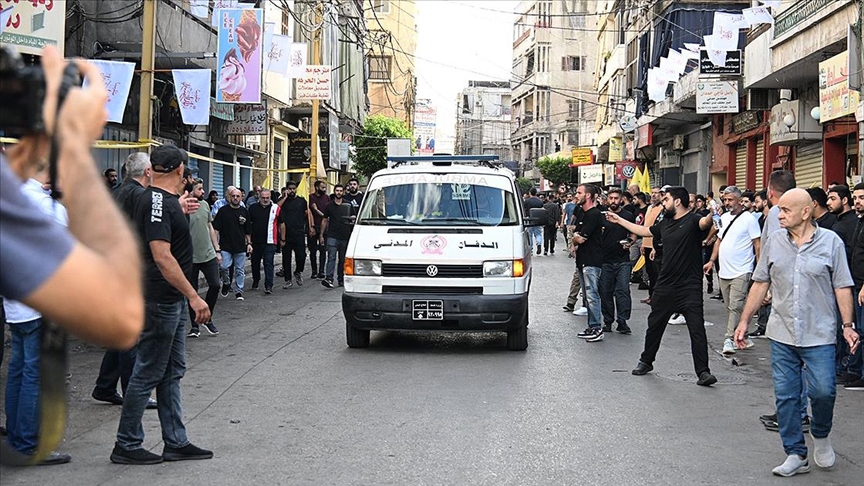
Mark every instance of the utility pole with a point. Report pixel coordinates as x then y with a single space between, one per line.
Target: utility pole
316 59
148 49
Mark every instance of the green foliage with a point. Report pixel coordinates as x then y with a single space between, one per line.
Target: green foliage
371 146
555 169
524 183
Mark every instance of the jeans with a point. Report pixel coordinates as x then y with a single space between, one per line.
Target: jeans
317 253
535 235
615 292
336 248
664 303
161 364
239 261
22 386
267 252
550 234
786 364
295 244
591 288
115 365
211 273
734 292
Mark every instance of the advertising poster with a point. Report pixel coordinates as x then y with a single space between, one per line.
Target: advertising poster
591 173
314 84
717 97
835 97
238 71
581 156
425 118
30 26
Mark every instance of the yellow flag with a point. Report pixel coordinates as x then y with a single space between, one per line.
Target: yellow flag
267 182
303 187
637 178
645 183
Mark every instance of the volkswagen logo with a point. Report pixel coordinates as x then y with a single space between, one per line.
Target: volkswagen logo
431 270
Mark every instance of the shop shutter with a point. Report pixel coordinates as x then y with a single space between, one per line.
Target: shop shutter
808 166
852 157
741 165
760 161
218 180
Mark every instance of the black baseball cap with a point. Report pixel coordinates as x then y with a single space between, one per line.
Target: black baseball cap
166 158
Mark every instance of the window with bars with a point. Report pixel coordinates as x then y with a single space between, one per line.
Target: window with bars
573 63
575 110
286 22
380 6
379 67
573 137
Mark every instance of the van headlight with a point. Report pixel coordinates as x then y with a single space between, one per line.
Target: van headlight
498 269
367 268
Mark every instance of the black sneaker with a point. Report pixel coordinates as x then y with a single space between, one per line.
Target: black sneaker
706 379
114 399
254 286
287 285
268 290
136 457
768 418
239 296
846 378
607 327
211 328
299 279
328 283
194 332
596 337
856 385
226 289
567 308
588 332
759 333
187 453
716 297
539 249
624 329
642 369
280 273
773 426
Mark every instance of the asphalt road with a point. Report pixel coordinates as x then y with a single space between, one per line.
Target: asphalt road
281 400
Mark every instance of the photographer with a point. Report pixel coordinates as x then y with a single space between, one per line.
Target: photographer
50 268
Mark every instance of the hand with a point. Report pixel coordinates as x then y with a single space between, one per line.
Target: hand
311 231
861 297
612 217
767 299
579 239
219 257
741 333
852 339
321 241
653 254
189 203
641 250
83 114
706 269
202 311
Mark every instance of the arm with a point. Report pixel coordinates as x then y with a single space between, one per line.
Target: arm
282 234
634 228
754 300
172 272
324 224
214 239
311 221
844 303
757 247
706 221
715 252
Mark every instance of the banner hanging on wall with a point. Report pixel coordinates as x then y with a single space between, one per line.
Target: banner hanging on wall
238 75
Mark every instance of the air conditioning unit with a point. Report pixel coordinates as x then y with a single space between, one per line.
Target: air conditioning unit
762 99
678 142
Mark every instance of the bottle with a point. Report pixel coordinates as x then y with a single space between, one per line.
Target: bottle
716 216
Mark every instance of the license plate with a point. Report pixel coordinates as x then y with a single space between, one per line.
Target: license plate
428 310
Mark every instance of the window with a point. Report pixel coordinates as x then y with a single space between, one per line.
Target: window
573 63
573 137
380 6
379 67
575 110
543 57
286 22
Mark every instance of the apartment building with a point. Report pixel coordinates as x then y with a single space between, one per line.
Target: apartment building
483 121
392 77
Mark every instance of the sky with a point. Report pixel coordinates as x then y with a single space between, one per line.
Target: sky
458 41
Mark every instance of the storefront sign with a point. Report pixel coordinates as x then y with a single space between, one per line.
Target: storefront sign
581 156
616 151
859 113
591 173
746 121
835 97
804 127
797 14
222 111
626 169
248 120
300 150
30 26
609 174
733 63
645 136
717 97
314 84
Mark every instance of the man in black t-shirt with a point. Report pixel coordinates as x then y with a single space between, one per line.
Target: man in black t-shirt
161 360
589 257
679 284
293 221
234 230
336 233
615 275
352 196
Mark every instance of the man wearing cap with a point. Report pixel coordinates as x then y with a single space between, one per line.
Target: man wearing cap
161 359
737 248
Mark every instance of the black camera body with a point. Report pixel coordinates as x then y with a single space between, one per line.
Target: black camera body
22 91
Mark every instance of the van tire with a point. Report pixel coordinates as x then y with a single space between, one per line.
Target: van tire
517 339
357 338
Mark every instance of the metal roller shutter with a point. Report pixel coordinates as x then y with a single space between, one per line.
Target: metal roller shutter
741 165
808 166
760 161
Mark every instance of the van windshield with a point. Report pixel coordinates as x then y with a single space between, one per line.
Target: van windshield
439 204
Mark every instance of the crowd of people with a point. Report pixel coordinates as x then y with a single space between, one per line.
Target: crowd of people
787 262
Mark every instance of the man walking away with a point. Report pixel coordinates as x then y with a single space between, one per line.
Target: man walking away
802 262
589 257
534 232
679 284
615 275
234 231
550 231
317 253
337 233
292 227
264 218
161 360
205 258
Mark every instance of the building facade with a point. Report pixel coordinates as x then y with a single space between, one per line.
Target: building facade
483 121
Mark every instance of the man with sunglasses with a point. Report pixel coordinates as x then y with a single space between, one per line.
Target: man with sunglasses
234 231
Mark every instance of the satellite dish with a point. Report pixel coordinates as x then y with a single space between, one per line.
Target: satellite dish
628 123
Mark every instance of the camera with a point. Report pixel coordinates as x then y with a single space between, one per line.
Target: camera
22 88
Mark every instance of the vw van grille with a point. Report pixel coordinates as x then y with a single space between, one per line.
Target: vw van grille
419 270
406 289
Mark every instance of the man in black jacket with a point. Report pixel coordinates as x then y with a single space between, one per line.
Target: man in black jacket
550 230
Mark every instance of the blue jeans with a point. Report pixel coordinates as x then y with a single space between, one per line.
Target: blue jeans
591 288
238 260
535 234
615 292
22 387
336 248
786 364
160 364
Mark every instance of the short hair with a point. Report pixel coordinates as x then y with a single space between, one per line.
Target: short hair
700 197
748 194
858 187
229 189
591 189
642 197
213 193
615 190
108 171
532 191
136 164
763 195
320 182
678 192
627 196
731 190
337 186
709 194
842 192
818 196
723 188
781 181
289 184
354 179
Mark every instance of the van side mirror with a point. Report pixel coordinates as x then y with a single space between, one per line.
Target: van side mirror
536 217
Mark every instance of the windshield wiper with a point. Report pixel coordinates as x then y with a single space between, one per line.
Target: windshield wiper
386 222
451 220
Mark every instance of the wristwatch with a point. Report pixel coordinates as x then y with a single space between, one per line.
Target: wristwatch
848 325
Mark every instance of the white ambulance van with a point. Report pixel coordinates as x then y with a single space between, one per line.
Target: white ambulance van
439 244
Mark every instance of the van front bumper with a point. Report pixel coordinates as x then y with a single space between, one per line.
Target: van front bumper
460 312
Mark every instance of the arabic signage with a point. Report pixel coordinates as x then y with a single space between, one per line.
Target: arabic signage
591 173
222 111
32 25
425 119
626 169
835 97
609 174
300 150
717 97
803 128
248 120
616 150
645 136
314 84
581 156
733 63
746 121
797 14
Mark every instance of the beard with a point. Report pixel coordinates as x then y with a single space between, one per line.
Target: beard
614 207
669 213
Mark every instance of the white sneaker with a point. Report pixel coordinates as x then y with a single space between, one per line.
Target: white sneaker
749 344
823 453
792 466
678 320
729 349
582 311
